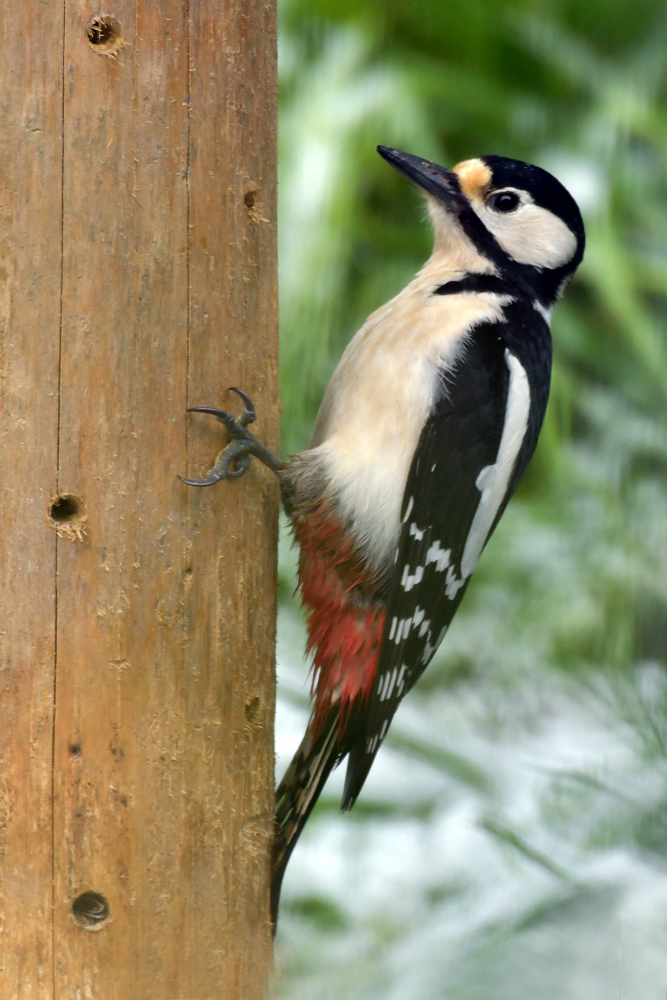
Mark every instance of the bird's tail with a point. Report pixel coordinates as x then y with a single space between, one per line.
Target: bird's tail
299 790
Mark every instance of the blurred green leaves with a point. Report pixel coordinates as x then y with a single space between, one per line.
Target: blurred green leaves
565 621
579 94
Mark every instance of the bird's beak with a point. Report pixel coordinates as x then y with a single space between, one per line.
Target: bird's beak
442 184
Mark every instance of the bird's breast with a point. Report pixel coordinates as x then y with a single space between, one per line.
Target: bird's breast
378 401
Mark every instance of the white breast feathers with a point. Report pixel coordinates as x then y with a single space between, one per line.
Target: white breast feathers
379 399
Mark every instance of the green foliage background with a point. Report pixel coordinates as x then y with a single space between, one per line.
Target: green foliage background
564 628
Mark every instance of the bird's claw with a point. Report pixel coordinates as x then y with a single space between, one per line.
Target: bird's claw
234 453
248 416
240 448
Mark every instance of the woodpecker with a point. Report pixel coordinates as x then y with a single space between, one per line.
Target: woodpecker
425 429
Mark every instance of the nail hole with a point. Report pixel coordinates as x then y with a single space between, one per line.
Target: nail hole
75 751
90 910
253 204
67 507
105 34
68 516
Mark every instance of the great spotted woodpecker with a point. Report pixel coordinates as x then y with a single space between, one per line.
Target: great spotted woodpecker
424 432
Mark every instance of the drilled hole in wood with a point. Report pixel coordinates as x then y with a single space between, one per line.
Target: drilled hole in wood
105 34
67 508
252 709
90 910
75 751
253 203
67 514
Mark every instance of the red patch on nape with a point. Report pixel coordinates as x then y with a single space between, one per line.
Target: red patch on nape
345 618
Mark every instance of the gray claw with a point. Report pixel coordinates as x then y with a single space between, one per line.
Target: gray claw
209 481
242 466
240 448
249 412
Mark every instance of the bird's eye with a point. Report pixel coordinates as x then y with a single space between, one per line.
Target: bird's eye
506 201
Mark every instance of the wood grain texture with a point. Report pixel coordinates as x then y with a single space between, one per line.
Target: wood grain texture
161 604
30 269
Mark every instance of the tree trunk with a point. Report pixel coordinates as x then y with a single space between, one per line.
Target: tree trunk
137 615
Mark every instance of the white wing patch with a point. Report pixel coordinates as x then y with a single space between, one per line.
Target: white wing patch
438 556
543 311
493 481
409 581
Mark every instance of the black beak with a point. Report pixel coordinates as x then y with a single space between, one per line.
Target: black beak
442 184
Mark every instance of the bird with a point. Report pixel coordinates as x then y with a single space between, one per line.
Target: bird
424 432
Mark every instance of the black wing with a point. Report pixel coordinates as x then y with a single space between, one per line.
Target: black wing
443 525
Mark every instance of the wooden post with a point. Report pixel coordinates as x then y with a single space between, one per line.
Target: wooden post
137 616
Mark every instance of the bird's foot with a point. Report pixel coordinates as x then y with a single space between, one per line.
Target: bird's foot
234 459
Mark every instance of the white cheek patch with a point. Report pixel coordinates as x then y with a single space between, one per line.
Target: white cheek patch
530 235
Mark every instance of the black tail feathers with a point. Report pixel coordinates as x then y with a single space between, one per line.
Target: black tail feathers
298 792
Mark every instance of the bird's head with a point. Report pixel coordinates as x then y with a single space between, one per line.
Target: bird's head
518 217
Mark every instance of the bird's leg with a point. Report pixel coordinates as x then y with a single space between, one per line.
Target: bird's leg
243 444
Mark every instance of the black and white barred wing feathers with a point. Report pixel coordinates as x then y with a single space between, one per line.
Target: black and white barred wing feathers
471 453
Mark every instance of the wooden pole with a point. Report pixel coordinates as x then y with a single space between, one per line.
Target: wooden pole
137 616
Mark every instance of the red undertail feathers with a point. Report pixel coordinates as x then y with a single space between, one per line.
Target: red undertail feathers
345 617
